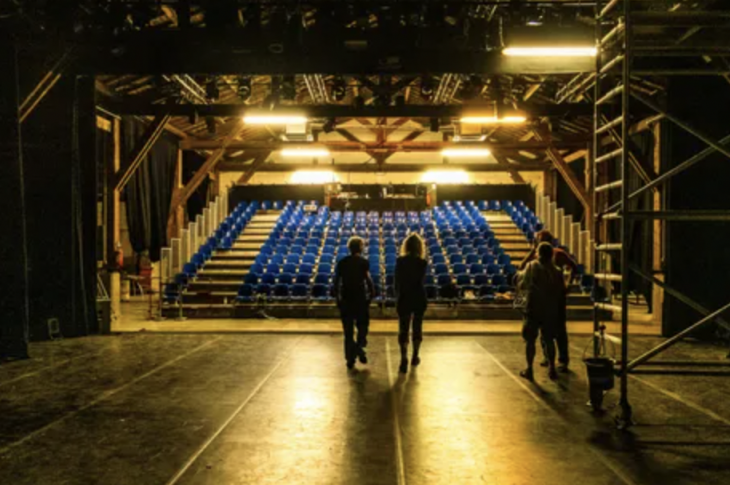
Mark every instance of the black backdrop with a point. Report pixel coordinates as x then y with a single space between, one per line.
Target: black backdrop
149 191
523 192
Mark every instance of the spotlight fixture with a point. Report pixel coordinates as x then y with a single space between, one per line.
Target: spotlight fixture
210 124
288 88
339 89
435 125
211 89
329 125
274 119
428 87
244 88
555 51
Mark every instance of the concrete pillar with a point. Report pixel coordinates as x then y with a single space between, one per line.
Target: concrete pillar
176 259
206 223
550 223
184 246
192 247
575 239
201 229
585 250
214 224
558 231
567 234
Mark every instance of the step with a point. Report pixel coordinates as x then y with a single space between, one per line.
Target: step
207 286
250 238
216 273
265 218
508 231
522 240
248 246
216 297
236 255
259 225
233 264
255 232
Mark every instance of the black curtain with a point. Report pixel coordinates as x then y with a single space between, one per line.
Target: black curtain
149 191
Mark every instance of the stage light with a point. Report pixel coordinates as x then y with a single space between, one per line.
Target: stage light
244 88
329 125
466 152
211 89
427 87
339 89
550 51
312 152
313 177
445 177
274 119
490 120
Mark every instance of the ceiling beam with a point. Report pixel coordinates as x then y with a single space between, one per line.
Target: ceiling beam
253 167
131 107
210 163
230 166
352 145
513 173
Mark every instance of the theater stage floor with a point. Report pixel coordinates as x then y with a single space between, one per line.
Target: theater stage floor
246 408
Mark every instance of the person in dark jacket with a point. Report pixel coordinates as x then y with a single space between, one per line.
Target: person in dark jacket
563 261
542 284
410 290
353 289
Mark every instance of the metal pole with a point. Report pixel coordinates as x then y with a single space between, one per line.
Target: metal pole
680 215
625 418
671 341
594 174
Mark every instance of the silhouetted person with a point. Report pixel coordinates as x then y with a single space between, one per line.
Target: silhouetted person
562 260
353 289
542 284
410 275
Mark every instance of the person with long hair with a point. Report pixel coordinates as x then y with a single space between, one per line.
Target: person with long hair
353 289
410 290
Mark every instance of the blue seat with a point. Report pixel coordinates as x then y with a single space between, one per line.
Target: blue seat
289 268
443 279
486 293
328 250
503 259
326 259
302 278
306 268
322 278
292 259
296 249
450 250
468 250
476 268
481 280
494 269
286 278
300 291
488 259
321 292
586 283
189 269
251 279
390 259
432 292
429 279
390 250
309 259
456 258
389 279
500 283
256 268
464 281
440 268
263 289
438 258
269 278
281 291
472 258
272 268
325 268
311 249
246 293
459 268
390 269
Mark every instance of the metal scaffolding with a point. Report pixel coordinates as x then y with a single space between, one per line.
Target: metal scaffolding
617 93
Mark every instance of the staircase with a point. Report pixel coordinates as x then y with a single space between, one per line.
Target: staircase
221 277
510 237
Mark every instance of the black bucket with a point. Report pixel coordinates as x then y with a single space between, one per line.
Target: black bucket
600 372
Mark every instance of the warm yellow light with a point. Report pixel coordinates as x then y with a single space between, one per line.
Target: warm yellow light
445 177
550 51
465 152
274 119
488 120
305 152
313 177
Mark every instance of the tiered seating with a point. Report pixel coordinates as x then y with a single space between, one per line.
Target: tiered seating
222 239
467 253
292 264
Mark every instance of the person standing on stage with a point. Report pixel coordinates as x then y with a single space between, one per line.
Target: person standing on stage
410 290
563 261
542 287
353 291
